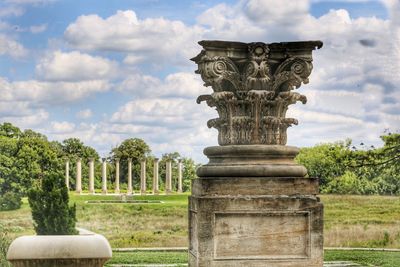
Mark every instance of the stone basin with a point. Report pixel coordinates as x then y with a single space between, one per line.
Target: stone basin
86 249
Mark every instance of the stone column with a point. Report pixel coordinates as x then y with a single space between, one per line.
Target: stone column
67 173
104 177
180 176
155 176
78 176
91 176
143 177
252 205
117 176
168 178
129 190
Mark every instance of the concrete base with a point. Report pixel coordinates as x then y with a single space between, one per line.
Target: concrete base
255 221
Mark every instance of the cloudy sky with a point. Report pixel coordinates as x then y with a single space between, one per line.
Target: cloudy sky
107 70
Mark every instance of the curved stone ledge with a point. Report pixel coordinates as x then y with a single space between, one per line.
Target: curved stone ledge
60 250
252 161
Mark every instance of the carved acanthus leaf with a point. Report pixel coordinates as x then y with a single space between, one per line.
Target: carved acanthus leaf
252 86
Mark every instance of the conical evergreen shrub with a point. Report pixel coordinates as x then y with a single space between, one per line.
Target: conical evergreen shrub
50 210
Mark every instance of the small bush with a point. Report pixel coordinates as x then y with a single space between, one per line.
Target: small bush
4 244
10 201
50 210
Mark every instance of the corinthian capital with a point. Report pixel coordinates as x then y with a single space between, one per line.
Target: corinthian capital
252 84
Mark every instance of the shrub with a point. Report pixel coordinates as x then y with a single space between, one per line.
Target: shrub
10 201
4 244
50 210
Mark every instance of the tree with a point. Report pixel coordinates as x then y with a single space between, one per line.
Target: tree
9 130
189 173
72 149
24 157
136 149
325 161
51 213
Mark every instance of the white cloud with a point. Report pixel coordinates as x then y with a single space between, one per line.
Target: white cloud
8 46
180 84
38 28
277 12
75 66
7 11
352 91
39 93
167 40
33 119
84 114
62 127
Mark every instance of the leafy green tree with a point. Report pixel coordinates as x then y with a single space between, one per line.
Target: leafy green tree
189 173
188 170
136 149
51 213
73 148
9 130
325 161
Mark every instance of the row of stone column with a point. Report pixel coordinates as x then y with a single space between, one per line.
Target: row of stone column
155 189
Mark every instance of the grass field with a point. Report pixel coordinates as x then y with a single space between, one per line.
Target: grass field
350 221
376 258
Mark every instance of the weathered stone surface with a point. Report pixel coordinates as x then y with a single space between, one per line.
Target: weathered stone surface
252 161
270 229
231 186
252 85
252 205
84 250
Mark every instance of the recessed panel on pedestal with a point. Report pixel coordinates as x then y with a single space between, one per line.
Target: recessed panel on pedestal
261 235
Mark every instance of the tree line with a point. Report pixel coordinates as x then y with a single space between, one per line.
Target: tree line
27 156
344 168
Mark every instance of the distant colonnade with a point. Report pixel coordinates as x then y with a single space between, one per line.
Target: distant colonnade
155 189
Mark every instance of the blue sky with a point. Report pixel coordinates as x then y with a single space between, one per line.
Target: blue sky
105 71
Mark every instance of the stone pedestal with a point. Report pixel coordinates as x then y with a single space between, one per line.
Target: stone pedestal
252 205
250 218
272 228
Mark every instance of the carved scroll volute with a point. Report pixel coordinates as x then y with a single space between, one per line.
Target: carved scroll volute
252 86
219 72
291 74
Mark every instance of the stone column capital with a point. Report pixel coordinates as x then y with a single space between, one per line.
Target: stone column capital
117 160
156 160
252 84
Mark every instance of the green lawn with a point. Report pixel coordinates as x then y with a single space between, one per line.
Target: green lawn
350 221
367 258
